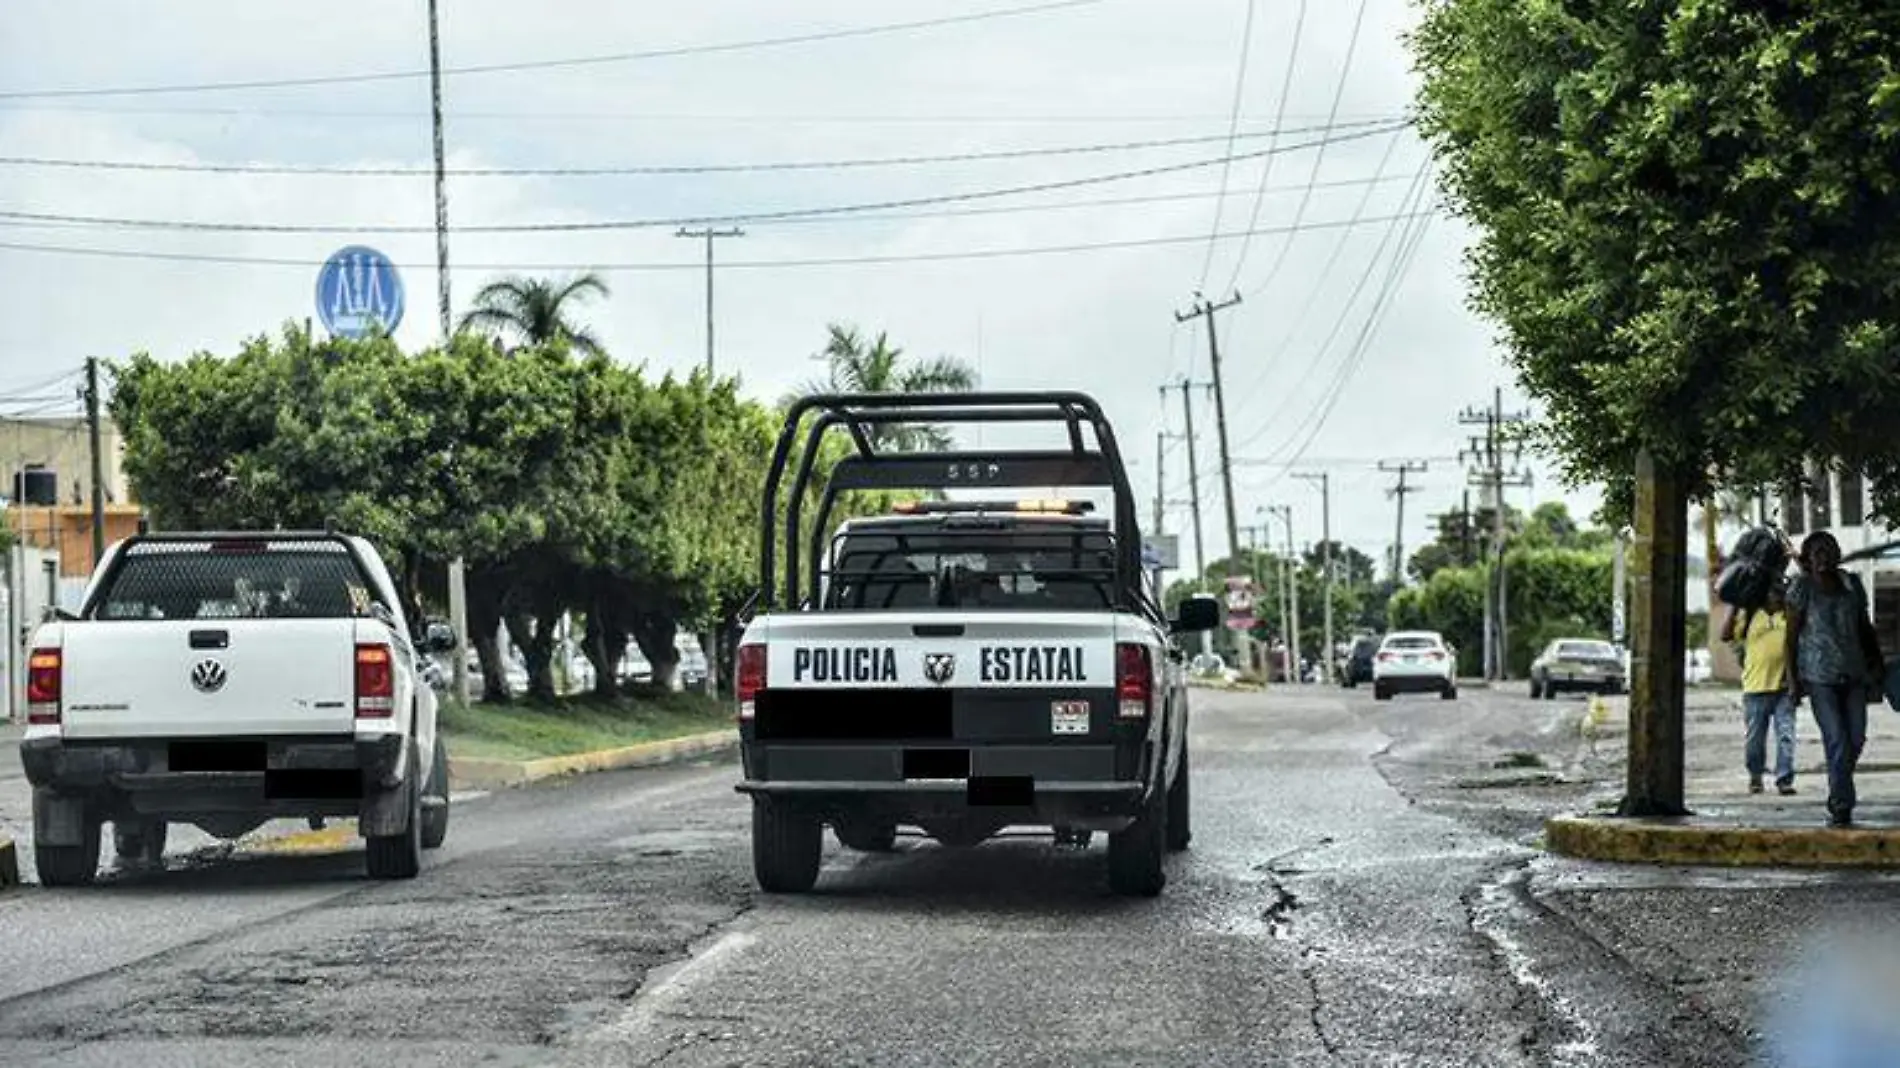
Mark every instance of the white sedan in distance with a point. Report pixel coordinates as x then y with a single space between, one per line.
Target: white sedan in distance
1414 661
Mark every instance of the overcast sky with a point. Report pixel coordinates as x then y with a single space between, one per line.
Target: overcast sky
1304 391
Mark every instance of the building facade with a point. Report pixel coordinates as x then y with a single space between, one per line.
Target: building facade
1839 502
59 452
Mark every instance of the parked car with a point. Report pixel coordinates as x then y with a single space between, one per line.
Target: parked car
692 667
1358 666
1578 665
225 679
1414 661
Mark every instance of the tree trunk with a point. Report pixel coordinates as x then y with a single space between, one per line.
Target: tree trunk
484 624
605 644
534 636
1658 579
655 634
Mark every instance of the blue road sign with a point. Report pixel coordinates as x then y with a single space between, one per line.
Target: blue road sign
358 288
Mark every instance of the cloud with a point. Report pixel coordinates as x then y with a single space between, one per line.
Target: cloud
1100 321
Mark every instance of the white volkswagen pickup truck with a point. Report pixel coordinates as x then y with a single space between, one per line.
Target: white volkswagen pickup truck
226 679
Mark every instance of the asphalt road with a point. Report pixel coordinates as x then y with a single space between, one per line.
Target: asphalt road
1362 889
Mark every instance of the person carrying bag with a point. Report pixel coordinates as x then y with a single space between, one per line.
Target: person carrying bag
1833 656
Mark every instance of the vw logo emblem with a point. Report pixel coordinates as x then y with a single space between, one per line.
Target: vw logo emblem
207 676
940 667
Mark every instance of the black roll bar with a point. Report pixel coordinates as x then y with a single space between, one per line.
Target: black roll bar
858 412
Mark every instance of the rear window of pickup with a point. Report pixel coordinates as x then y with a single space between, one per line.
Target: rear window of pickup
1054 570
260 580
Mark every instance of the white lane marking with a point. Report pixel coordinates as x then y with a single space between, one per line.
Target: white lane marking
456 797
667 985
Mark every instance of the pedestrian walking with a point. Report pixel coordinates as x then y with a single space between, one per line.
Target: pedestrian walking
1766 702
1833 658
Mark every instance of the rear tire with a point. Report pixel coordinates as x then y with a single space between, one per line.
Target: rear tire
1180 821
786 848
1550 692
867 837
1137 856
69 865
1380 693
1449 693
399 856
1537 689
435 818
139 842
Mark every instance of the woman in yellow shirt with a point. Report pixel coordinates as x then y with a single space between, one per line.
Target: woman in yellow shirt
1765 698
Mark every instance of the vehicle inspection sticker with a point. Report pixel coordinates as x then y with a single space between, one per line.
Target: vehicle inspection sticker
1069 717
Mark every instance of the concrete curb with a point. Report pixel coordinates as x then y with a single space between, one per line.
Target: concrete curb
467 773
1633 841
9 864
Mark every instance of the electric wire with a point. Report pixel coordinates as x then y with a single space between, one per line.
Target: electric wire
1233 127
677 221
368 77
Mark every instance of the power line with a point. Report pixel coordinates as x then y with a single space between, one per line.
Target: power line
813 37
1339 93
835 261
1400 266
701 220
1413 195
1397 269
1233 125
953 213
755 118
1266 171
628 170
1304 309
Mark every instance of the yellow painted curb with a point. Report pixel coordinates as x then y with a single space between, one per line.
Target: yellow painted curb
9 864
333 838
1632 841
494 774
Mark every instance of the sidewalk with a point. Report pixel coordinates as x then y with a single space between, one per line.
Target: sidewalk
1730 826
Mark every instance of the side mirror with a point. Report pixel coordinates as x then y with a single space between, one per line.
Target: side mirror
438 637
1198 613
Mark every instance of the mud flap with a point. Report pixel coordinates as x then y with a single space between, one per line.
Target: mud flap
386 809
58 819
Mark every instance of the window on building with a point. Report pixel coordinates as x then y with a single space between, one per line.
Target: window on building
1853 499
1794 510
1820 498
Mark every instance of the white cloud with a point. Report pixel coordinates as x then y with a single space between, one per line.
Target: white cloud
1100 321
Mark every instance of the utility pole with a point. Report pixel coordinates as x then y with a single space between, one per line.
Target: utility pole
1203 309
98 462
1285 512
1194 480
1486 455
1255 535
1194 495
709 234
1324 480
1404 470
458 567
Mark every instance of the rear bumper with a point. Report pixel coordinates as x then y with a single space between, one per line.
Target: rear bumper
1100 785
219 775
1590 683
1409 683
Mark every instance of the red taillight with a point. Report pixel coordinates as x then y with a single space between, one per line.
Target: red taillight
375 682
1387 656
751 677
1434 655
43 687
1134 679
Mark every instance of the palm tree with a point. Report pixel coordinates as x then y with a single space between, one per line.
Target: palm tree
535 310
879 367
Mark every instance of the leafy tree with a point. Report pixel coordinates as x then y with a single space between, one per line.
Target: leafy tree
876 366
536 310
1684 218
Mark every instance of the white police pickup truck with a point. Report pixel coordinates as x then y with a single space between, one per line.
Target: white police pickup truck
964 666
225 679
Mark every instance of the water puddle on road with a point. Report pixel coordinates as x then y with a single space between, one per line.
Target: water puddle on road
1496 909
